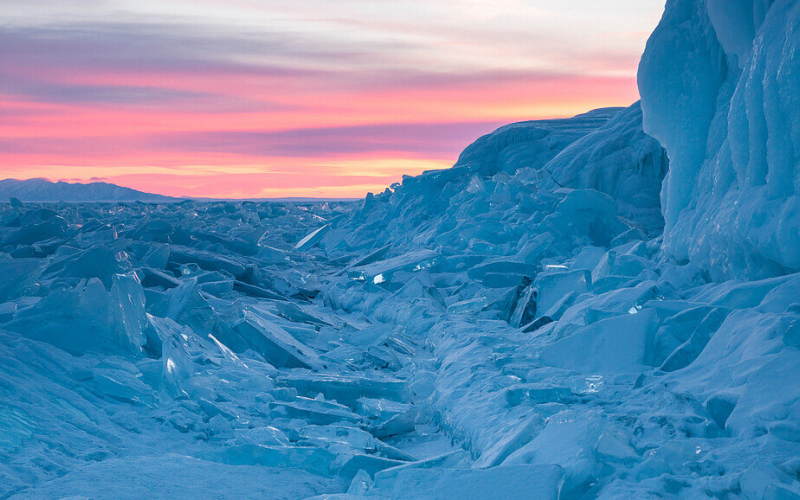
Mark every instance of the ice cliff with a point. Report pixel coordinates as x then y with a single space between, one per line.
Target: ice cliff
719 90
524 325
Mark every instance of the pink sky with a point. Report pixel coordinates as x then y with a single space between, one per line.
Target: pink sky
260 99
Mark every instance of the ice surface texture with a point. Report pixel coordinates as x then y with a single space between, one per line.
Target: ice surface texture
719 85
516 327
486 332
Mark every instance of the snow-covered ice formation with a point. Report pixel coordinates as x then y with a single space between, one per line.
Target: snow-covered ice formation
719 89
525 325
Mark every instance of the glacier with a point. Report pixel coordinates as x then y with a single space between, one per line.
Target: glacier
599 307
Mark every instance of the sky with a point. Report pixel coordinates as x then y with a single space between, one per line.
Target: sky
321 98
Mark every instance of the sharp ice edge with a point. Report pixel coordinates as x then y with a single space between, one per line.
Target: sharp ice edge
517 326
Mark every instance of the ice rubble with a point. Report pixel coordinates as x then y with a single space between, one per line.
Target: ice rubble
522 339
514 327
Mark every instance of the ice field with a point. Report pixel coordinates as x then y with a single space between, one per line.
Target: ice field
601 307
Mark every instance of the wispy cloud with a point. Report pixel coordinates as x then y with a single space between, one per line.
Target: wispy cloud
434 139
123 90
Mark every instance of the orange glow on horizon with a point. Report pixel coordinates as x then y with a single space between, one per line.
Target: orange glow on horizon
281 105
82 143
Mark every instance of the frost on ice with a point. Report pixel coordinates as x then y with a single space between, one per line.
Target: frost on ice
572 312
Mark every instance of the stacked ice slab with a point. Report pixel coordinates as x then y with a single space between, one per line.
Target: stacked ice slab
176 351
525 325
562 336
510 328
510 179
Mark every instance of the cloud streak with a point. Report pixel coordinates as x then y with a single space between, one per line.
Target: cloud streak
307 90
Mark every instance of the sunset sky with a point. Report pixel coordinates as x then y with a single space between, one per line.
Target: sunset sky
324 98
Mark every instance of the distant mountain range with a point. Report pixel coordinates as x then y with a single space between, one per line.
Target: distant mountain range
43 190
